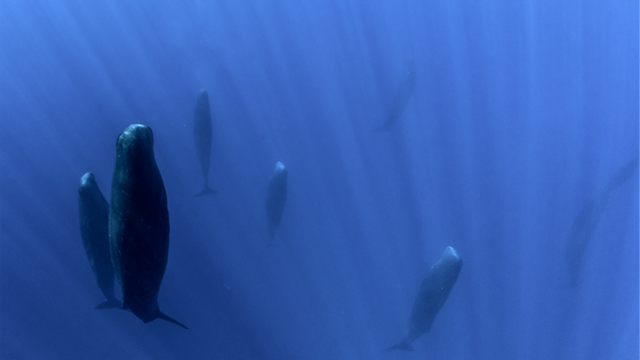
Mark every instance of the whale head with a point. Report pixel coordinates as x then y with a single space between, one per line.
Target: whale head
87 179
135 137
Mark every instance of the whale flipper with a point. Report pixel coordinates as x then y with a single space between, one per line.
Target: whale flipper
205 191
401 346
109 304
139 223
163 316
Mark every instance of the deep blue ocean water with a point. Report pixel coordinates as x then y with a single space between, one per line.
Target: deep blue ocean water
521 113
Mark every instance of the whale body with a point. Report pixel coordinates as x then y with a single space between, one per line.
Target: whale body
202 137
433 293
94 230
276 198
586 222
402 95
139 224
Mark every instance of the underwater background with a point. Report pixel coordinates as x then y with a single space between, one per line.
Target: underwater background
499 128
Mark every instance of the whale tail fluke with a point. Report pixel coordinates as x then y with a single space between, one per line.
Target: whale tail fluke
205 191
403 345
170 319
109 304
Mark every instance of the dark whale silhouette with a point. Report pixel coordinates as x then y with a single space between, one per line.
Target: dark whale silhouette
402 96
586 222
434 291
276 198
94 230
202 135
139 224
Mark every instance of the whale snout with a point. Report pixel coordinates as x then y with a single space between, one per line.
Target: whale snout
449 251
135 137
87 179
135 133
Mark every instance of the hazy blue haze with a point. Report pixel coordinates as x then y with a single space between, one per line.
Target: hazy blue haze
521 113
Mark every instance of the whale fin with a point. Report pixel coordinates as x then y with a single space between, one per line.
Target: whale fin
109 304
402 345
205 191
170 319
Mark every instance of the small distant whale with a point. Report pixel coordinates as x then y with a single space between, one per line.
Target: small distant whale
202 134
403 95
434 291
276 198
139 224
94 230
585 224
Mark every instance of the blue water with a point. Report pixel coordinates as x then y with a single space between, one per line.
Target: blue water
522 112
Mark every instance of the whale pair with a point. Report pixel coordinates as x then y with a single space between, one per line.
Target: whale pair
138 226
202 136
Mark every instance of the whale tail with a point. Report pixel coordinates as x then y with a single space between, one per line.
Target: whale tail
109 304
170 319
402 345
205 191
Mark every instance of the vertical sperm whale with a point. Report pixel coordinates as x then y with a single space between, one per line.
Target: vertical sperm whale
202 137
434 291
276 198
585 223
402 96
94 230
139 224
